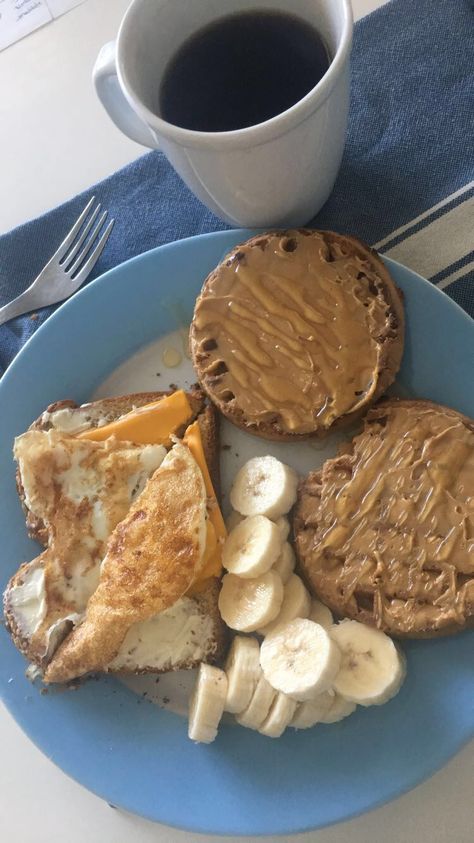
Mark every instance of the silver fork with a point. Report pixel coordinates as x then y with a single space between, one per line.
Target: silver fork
68 268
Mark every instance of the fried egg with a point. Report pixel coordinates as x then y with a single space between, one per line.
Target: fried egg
79 490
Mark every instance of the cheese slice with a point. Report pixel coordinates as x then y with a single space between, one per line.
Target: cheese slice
154 423
216 530
151 424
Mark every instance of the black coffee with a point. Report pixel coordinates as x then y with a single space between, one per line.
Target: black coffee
241 70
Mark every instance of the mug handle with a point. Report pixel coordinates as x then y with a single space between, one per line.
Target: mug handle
112 98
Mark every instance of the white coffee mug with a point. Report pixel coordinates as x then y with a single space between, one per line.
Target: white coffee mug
276 173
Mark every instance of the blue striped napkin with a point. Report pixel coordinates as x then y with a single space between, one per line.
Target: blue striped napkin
406 184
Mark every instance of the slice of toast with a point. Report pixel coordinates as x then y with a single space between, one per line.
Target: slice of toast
208 644
70 418
383 531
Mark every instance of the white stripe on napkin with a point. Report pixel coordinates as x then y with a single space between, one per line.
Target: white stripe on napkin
423 216
441 243
465 270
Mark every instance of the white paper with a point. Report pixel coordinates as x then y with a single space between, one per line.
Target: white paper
20 17
59 7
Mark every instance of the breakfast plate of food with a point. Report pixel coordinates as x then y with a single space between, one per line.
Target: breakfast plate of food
238 532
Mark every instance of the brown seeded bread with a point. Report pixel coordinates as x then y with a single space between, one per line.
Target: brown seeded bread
380 556
212 370
104 411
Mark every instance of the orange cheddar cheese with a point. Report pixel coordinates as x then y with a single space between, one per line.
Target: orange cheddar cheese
151 424
216 531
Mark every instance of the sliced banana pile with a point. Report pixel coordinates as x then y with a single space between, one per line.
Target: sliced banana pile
307 670
260 589
301 675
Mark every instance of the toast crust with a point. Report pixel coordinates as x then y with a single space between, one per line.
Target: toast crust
208 356
388 547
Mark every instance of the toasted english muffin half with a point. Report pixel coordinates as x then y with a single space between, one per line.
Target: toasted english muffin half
384 532
297 332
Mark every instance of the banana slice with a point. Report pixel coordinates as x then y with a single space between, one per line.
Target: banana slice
206 704
264 486
319 613
285 564
340 708
372 668
279 717
247 605
300 659
296 604
312 711
232 520
252 547
259 706
243 670
284 526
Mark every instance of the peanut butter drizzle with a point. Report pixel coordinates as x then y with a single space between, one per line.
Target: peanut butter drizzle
297 329
400 523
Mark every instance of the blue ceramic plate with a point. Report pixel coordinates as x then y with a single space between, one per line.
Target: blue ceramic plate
138 757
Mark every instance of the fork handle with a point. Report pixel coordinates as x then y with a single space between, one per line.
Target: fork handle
22 304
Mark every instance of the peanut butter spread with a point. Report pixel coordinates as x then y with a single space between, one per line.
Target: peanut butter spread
295 328
386 533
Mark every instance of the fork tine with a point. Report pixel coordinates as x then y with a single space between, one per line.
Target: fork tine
95 255
85 251
59 253
67 260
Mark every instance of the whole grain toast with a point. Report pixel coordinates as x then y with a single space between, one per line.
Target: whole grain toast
383 532
102 412
214 354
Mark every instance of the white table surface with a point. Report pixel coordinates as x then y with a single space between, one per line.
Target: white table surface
55 140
